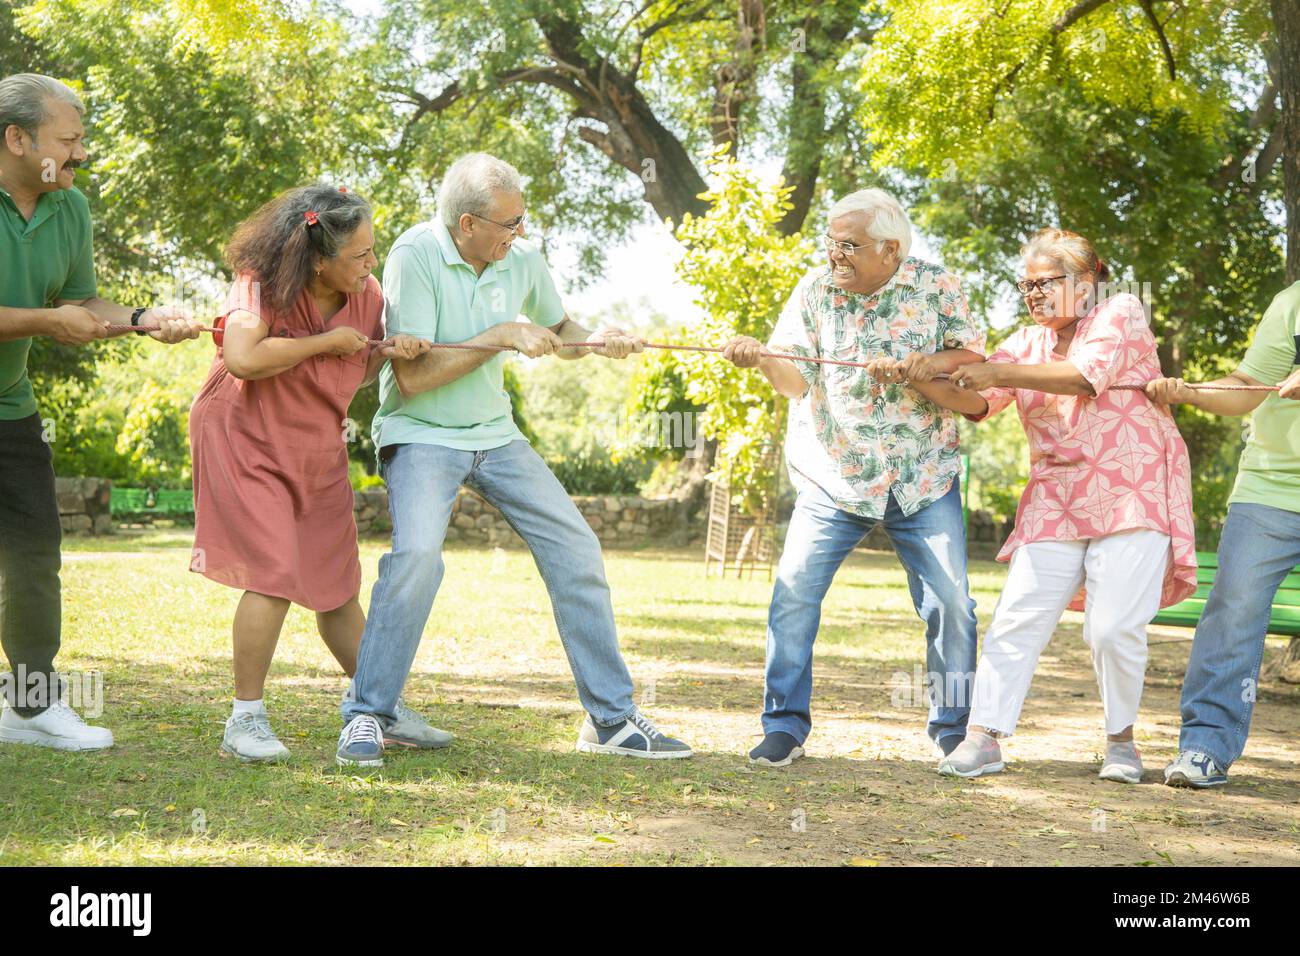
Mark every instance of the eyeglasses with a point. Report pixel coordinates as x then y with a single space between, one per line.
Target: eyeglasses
1045 285
844 248
514 225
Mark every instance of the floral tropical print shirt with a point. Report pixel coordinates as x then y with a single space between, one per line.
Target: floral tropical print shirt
858 440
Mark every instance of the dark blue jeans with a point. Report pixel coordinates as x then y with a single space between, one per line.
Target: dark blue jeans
931 545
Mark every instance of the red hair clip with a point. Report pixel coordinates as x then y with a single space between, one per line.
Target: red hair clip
311 218
343 189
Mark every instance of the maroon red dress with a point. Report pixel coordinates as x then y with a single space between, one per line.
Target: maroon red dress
272 499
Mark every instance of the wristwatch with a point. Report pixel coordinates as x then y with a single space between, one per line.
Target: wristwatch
135 320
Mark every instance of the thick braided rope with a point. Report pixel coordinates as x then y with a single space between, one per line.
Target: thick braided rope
704 348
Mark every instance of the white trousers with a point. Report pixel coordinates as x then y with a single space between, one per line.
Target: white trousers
1124 574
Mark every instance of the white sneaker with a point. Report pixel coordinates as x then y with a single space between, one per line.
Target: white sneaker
59 727
1123 762
250 737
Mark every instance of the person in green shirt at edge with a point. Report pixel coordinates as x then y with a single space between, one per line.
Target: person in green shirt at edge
444 421
1259 546
47 287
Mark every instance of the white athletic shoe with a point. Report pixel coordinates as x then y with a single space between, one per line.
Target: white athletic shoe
59 727
1123 763
250 737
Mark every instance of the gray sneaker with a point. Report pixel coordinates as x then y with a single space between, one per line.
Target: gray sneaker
975 756
1123 762
634 737
250 737
412 730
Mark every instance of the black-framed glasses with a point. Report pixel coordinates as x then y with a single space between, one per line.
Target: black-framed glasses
1044 285
844 248
514 225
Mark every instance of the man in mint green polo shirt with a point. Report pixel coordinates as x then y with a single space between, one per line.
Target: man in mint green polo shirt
445 421
1259 546
47 287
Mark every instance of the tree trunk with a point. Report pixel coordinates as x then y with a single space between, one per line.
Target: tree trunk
1286 24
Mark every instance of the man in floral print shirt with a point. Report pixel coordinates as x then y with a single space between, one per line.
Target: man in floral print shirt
868 446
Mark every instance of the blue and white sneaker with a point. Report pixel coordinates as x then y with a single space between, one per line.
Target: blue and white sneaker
634 737
409 729
362 743
1191 768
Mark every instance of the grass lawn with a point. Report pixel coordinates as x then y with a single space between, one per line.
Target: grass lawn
512 790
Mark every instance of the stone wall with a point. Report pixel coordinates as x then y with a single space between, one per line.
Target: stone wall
84 505
620 521
985 536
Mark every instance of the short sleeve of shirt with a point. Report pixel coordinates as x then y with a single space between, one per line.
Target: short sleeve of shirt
1117 338
245 295
410 292
374 309
796 327
955 328
1002 396
541 303
1276 346
81 284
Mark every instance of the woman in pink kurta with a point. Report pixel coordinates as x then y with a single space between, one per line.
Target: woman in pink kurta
1105 522
269 432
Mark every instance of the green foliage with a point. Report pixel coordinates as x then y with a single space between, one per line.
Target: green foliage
996 126
153 438
744 271
592 472
515 390
131 423
999 461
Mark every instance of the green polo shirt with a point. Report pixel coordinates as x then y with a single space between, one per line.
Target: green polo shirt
41 261
1270 465
432 293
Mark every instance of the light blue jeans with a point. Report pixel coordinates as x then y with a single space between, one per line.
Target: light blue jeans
931 545
422 485
1257 549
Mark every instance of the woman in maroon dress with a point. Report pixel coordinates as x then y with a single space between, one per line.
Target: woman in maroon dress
268 432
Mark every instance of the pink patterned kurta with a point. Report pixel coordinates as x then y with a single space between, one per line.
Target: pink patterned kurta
1100 465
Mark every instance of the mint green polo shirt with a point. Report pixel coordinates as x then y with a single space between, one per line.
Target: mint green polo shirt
1269 473
432 293
41 261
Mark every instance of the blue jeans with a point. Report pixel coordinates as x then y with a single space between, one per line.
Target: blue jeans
422 485
931 545
1257 549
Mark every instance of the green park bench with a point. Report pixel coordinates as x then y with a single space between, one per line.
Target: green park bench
1284 620
166 502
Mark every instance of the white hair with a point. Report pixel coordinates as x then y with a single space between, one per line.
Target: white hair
25 96
885 217
470 185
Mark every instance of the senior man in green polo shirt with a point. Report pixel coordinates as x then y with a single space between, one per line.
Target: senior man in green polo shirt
1259 546
445 421
47 288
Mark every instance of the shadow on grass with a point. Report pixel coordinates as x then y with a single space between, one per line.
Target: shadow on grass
138 801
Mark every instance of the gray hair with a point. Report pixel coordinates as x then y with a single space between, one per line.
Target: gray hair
886 218
470 184
25 96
